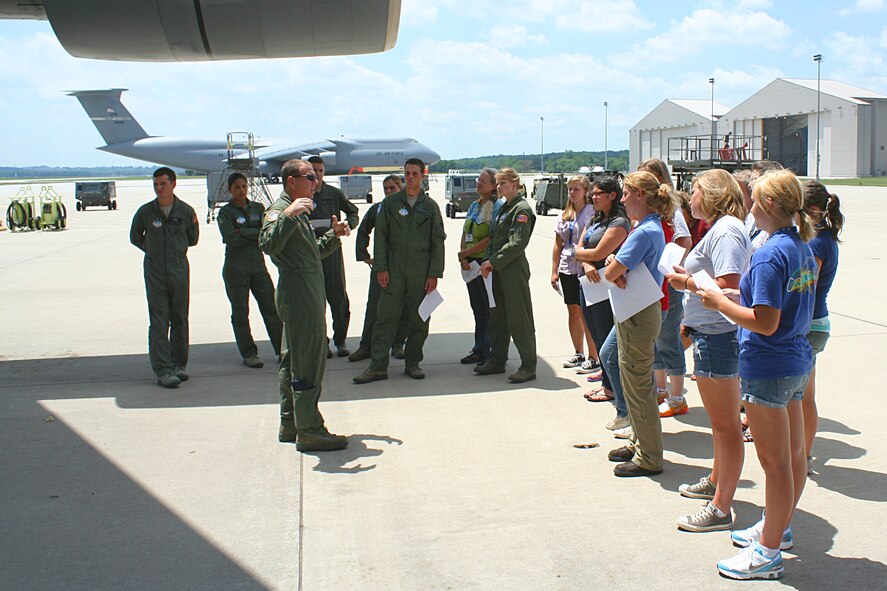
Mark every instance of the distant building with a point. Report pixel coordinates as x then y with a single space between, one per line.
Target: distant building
779 122
672 118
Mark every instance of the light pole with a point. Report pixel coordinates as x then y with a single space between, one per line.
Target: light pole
713 140
818 59
542 145
605 136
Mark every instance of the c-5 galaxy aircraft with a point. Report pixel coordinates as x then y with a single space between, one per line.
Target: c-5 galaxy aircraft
124 136
206 30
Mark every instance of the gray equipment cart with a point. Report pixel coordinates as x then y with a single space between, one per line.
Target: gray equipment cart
550 192
357 186
460 191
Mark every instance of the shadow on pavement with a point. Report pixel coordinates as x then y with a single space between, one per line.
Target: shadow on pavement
72 520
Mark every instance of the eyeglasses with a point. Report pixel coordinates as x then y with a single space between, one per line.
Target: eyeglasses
600 193
312 178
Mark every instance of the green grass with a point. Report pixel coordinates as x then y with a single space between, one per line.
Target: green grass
872 181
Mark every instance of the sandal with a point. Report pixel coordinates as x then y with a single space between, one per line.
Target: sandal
746 434
597 395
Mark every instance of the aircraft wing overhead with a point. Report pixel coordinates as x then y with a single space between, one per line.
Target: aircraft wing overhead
280 152
206 30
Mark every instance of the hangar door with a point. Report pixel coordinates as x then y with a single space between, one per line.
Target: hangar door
785 140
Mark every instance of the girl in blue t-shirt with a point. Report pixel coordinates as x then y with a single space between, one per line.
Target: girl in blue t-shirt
825 211
776 305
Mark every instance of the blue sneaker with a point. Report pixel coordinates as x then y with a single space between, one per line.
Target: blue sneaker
752 563
745 537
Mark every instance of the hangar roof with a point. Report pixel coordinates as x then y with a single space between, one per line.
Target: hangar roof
854 94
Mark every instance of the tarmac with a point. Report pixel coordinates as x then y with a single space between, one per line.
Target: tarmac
108 481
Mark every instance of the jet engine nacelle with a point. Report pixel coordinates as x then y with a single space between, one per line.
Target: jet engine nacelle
204 30
329 159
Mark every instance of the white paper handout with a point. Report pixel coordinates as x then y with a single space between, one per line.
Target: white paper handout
488 282
704 280
594 292
429 304
471 273
640 291
671 256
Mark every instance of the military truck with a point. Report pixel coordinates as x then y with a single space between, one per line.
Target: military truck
95 194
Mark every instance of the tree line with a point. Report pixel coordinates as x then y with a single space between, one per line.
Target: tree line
568 161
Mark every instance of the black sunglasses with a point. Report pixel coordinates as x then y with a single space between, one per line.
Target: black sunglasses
311 177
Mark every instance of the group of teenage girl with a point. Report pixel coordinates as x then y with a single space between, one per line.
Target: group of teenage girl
749 296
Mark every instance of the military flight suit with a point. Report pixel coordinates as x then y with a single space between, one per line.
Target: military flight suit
409 245
512 317
330 201
165 240
245 271
301 304
362 245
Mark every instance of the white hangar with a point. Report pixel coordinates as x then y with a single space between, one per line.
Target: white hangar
779 122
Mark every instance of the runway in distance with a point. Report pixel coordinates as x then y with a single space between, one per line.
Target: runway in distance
124 136
209 30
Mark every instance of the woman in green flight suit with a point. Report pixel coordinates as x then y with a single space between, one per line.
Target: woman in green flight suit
240 221
512 314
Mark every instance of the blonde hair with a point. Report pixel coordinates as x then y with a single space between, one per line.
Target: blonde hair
784 190
660 197
569 213
721 195
509 175
657 168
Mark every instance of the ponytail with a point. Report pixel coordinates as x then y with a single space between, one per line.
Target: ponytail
834 219
817 196
806 229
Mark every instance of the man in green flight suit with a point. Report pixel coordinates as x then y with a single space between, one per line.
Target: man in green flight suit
239 223
288 238
408 260
330 201
390 184
164 229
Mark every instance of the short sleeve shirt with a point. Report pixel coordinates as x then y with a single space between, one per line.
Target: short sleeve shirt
781 275
595 233
724 250
571 233
644 245
825 248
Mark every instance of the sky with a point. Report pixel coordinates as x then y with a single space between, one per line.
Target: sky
465 78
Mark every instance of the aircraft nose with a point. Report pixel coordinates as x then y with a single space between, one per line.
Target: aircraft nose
426 154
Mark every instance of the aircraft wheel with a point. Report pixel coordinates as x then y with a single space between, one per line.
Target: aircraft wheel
369 197
77 206
114 203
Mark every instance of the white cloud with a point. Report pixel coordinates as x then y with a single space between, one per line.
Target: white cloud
418 12
514 36
611 16
863 6
708 29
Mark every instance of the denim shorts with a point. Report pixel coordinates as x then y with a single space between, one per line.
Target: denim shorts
773 392
715 355
817 340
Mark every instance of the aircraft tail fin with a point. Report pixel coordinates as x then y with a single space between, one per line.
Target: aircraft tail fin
113 121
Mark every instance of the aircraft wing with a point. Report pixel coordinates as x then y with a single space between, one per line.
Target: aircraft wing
284 152
207 30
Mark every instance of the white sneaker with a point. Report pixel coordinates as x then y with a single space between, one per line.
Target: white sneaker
618 423
624 433
574 361
746 537
751 563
